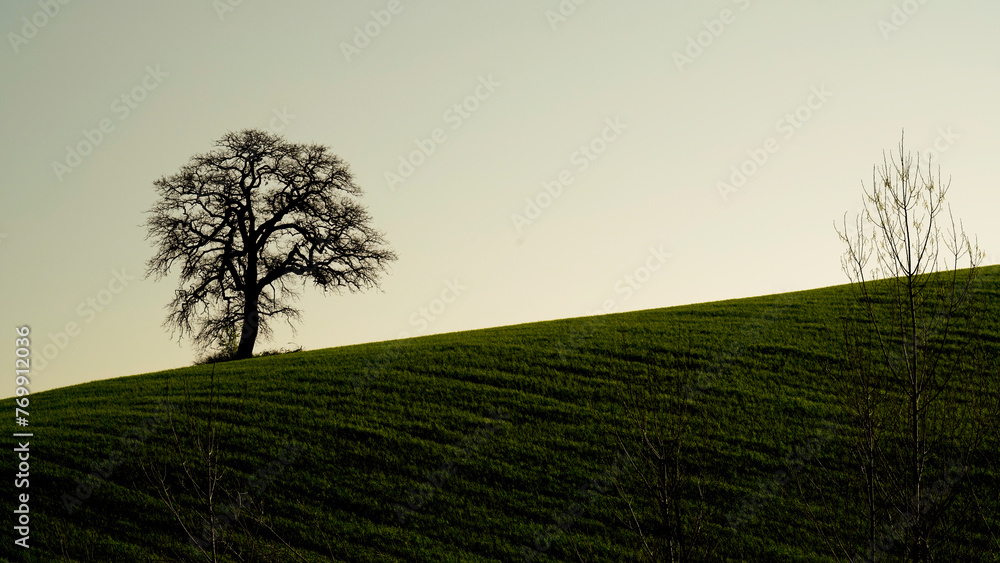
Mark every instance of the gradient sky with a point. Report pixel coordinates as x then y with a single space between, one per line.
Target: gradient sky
193 70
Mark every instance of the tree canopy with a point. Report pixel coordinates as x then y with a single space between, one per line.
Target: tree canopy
247 220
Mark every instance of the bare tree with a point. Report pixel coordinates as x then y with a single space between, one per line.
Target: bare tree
910 363
247 218
669 515
219 517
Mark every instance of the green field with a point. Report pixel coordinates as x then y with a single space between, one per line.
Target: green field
471 446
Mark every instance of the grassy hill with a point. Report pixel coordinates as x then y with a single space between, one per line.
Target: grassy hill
484 445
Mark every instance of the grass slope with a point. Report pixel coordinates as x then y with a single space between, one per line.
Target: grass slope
516 416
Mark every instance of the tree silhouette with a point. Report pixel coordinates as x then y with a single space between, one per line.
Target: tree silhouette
246 220
917 383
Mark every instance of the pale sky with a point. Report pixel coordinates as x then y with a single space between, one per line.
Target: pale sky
640 109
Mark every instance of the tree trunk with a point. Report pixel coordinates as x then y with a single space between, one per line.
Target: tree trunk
251 323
